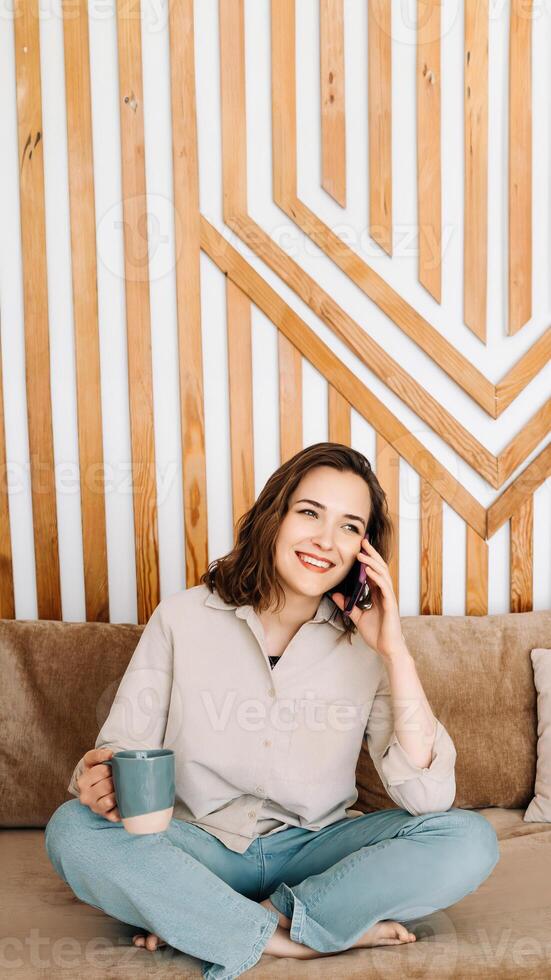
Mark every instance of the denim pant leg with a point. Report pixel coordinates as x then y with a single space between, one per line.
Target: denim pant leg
166 883
387 864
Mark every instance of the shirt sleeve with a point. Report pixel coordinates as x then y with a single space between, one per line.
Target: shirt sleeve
418 790
138 715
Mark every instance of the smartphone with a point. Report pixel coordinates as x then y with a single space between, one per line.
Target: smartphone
355 589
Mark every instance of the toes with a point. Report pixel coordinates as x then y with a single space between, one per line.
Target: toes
138 940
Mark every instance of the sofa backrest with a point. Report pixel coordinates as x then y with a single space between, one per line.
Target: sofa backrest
58 681
477 674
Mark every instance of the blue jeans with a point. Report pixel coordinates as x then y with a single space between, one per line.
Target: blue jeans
203 898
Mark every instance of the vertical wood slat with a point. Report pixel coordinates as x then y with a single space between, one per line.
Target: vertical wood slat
429 166
388 475
475 267
138 320
521 557
476 598
520 164
284 137
188 295
290 398
232 89
431 551
339 417
333 116
85 310
7 599
238 307
380 122
35 302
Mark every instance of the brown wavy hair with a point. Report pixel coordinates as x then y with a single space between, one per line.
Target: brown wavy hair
247 574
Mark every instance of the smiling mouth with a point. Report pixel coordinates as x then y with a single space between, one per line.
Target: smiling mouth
311 567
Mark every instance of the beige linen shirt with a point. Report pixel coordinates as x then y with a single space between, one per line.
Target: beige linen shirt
258 750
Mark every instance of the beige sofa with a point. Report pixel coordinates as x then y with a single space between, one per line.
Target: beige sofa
58 682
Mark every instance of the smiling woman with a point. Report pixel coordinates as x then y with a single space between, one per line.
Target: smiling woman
307 523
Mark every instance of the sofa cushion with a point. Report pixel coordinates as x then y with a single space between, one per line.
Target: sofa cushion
60 679
540 806
501 930
477 674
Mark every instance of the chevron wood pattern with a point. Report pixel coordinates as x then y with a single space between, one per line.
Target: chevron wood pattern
247 288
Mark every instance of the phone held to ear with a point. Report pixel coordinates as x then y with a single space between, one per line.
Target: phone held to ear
355 589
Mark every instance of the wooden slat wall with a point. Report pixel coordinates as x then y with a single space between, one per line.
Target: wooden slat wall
188 287
245 286
35 301
520 164
430 600
238 315
475 266
333 132
387 470
521 556
476 599
7 601
429 165
138 320
290 398
85 310
380 121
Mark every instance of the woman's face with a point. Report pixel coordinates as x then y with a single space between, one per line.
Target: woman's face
322 530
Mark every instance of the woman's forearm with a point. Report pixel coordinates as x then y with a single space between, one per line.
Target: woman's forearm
414 721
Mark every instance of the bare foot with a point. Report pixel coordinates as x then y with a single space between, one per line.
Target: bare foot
387 932
151 941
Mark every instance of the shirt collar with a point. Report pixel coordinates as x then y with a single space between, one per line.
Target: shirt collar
326 611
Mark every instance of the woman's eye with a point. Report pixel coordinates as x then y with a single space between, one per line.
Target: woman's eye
308 511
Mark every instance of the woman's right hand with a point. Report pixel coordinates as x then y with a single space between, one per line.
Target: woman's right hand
95 785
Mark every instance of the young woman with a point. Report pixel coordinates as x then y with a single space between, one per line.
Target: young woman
265 691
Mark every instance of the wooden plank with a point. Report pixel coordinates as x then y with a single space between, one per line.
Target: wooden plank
333 117
429 163
522 557
522 373
521 489
379 74
520 164
7 599
85 309
35 305
240 383
290 398
326 308
475 265
388 475
138 322
188 286
356 393
431 551
232 89
524 442
284 137
339 417
476 599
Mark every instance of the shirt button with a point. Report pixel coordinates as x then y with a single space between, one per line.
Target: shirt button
266 742
271 692
260 789
252 813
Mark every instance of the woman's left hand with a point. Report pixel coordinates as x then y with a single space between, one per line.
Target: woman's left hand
379 626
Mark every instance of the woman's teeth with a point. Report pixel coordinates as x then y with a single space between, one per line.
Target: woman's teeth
309 563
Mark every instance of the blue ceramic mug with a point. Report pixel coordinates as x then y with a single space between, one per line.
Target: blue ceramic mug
144 781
